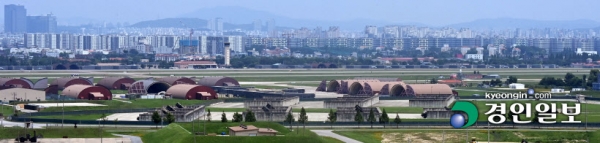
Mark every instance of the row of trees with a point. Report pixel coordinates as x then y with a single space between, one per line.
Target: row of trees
252 61
237 117
570 80
383 119
157 119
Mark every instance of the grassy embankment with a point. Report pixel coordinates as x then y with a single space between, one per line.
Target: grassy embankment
181 133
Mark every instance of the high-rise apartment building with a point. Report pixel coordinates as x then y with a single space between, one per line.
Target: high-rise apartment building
271 28
15 19
41 24
371 31
219 24
257 25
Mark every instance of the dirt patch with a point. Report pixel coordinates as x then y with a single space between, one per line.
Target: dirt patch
417 137
519 135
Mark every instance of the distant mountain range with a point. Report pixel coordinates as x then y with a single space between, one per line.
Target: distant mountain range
506 23
195 23
242 18
241 15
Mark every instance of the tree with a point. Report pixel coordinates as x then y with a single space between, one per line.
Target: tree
593 77
433 81
289 119
170 118
250 116
359 118
156 118
371 119
332 117
208 115
236 117
472 51
397 120
384 119
303 118
103 118
569 77
511 79
223 117
143 66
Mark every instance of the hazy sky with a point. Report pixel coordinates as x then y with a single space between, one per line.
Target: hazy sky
431 12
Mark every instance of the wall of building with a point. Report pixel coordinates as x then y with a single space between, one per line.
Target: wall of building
243 133
266 134
349 115
275 102
188 116
439 113
351 102
433 102
275 117
22 93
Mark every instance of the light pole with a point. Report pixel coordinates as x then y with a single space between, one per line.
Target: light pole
444 136
63 111
204 132
488 132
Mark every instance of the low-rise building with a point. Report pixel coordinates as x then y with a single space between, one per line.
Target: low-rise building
516 86
557 90
249 130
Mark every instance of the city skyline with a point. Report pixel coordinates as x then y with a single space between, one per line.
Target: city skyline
430 13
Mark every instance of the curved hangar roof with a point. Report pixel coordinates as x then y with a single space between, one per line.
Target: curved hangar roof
15 82
113 83
372 87
189 91
148 86
87 92
218 81
428 89
172 80
64 82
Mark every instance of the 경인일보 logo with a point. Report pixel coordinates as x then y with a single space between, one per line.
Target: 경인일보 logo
458 120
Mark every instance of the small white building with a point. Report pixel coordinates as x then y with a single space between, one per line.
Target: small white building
577 89
579 51
516 86
557 90
474 56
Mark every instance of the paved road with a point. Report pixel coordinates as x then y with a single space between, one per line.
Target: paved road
328 133
134 139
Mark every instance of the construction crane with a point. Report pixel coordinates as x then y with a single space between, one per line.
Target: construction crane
190 39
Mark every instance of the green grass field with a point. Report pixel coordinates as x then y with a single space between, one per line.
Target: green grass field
460 136
175 133
135 104
13 132
6 110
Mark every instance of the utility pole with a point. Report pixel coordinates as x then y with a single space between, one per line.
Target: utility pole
488 132
204 132
444 136
586 113
194 130
63 112
467 135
